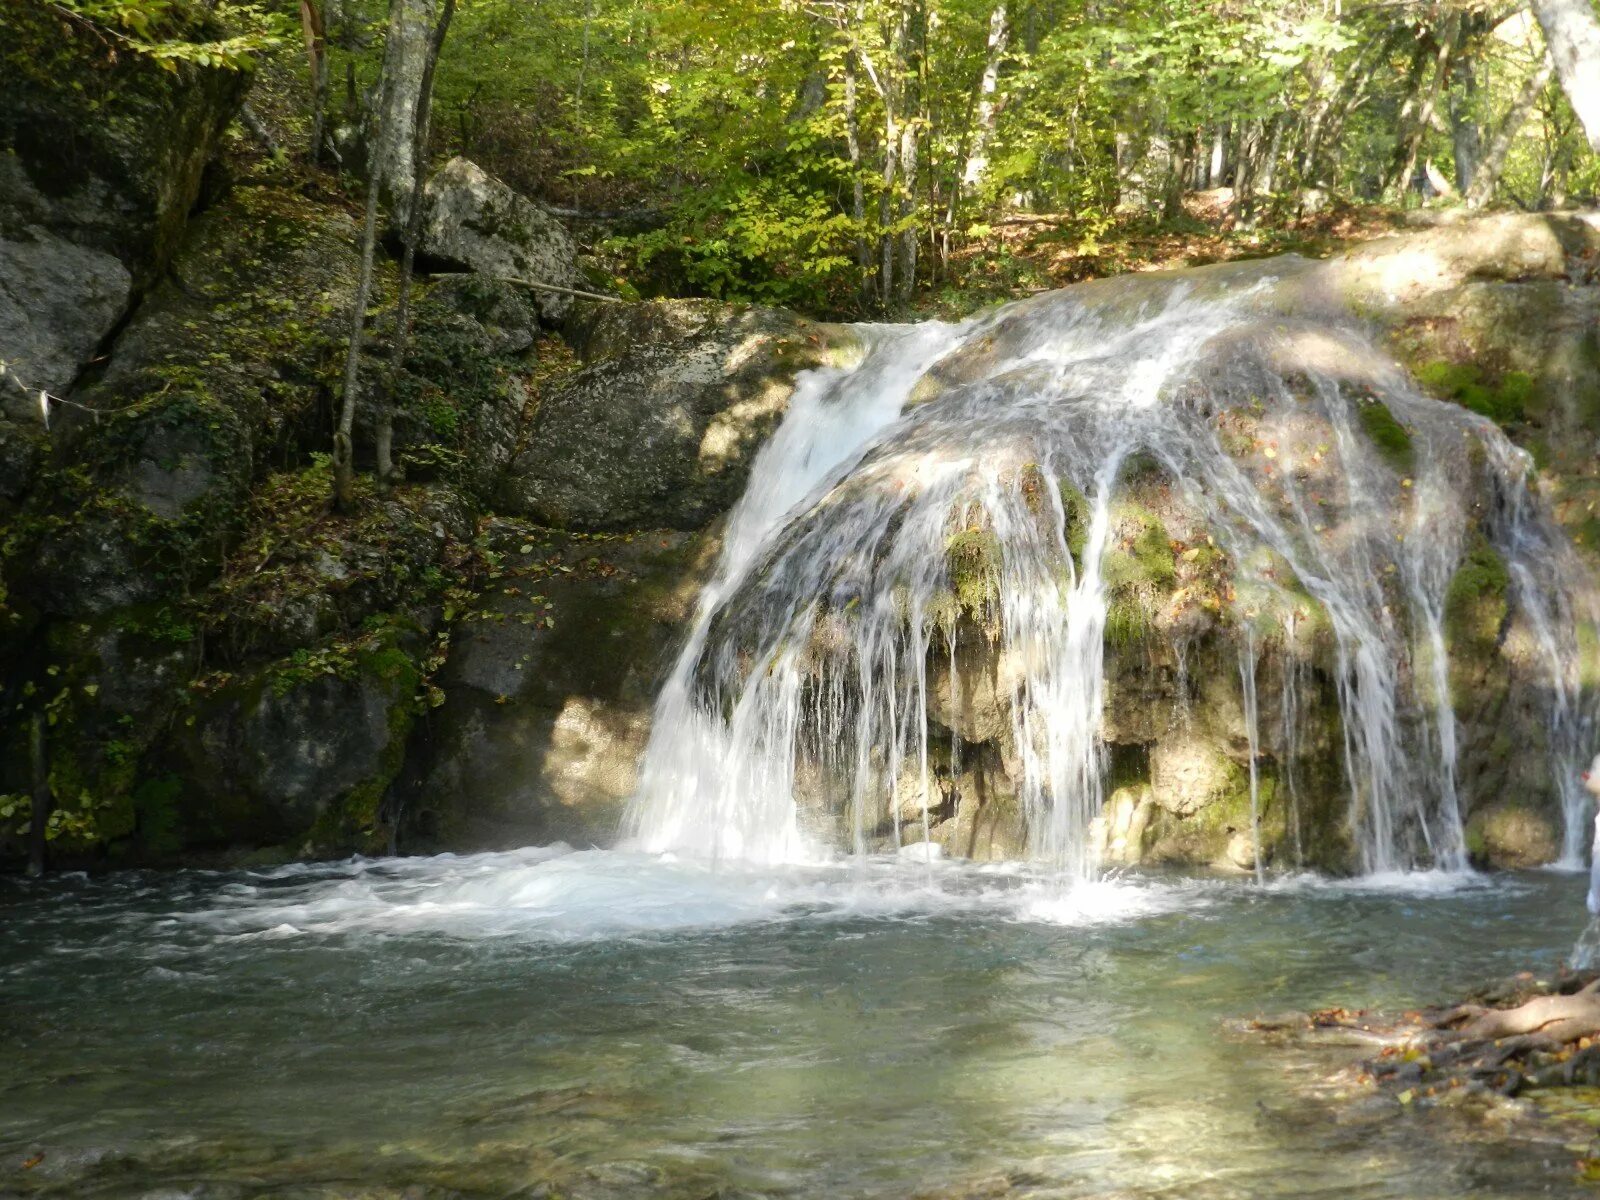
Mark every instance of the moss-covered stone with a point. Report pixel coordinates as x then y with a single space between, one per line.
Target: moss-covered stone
1476 603
972 562
1503 400
1391 438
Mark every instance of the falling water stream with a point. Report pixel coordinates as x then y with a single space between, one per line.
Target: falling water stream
968 478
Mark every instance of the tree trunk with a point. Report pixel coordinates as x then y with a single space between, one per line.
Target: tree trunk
985 111
1417 113
1219 156
858 193
405 56
1487 176
891 167
914 58
1573 34
1466 136
384 440
42 800
910 146
1329 126
314 19
344 469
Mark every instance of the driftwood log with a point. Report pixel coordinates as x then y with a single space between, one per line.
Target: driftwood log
1522 1034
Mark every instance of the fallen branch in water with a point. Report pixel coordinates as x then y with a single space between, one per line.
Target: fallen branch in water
1526 1033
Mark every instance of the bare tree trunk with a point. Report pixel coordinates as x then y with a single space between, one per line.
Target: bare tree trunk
1572 32
858 194
985 110
384 441
344 467
910 146
42 800
1219 156
914 59
411 25
891 167
344 470
1417 113
1329 127
314 25
1269 165
1487 176
1466 135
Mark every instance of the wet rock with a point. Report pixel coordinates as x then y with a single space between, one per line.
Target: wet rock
661 429
1509 834
473 222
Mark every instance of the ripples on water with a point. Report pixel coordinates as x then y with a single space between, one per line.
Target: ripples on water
613 1024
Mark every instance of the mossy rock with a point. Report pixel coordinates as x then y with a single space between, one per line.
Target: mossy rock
1503 400
1477 601
972 562
1391 438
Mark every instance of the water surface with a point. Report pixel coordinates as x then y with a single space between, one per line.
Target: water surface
602 1024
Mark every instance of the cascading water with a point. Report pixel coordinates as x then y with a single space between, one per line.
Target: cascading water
940 543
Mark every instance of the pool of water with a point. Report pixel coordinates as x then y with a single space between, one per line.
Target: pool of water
601 1024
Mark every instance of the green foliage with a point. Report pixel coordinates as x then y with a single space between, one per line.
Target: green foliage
226 35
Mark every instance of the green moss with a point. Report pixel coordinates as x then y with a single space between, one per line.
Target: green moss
1391 438
1144 558
972 560
1476 602
156 813
1127 622
355 822
1505 402
1076 512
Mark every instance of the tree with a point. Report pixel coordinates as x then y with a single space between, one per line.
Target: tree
410 53
1573 34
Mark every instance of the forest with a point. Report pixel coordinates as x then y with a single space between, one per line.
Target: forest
869 157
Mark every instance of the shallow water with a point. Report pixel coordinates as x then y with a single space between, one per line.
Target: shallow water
602 1024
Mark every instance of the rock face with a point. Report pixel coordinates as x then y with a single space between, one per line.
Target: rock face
549 688
100 162
661 427
473 222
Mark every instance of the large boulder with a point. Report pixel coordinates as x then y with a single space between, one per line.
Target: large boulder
661 427
299 753
473 222
223 367
101 154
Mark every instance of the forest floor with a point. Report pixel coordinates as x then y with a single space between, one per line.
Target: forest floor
1020 255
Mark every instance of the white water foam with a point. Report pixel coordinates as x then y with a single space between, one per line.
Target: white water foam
557 894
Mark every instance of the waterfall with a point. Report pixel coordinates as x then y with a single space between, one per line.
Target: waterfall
906 636
1252 724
